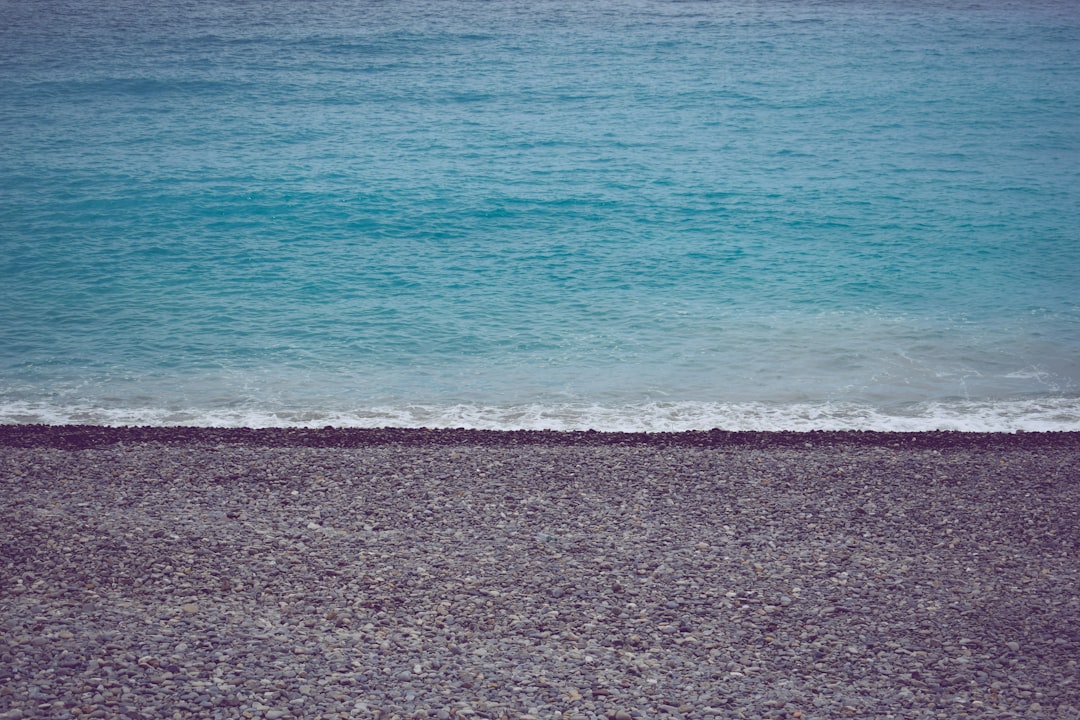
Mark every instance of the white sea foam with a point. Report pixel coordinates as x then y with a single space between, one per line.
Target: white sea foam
1032 415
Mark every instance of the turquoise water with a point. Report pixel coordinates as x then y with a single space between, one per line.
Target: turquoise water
632 215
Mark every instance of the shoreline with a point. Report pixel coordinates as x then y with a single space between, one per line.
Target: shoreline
84 436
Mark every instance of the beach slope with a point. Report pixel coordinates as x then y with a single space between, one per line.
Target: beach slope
183 572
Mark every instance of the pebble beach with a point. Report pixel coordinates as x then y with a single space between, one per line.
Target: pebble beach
290 573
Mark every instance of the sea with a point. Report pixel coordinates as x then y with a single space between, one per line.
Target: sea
636 215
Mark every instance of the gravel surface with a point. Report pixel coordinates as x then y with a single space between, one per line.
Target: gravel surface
420 574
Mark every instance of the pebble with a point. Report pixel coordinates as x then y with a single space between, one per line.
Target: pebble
670 581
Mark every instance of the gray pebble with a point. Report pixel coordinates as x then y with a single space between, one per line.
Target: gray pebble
708 581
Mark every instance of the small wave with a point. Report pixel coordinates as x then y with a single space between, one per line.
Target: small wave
1032 415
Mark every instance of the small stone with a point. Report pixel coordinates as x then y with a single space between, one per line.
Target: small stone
190 608
274 714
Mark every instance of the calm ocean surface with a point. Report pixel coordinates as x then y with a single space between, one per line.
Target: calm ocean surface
618 215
